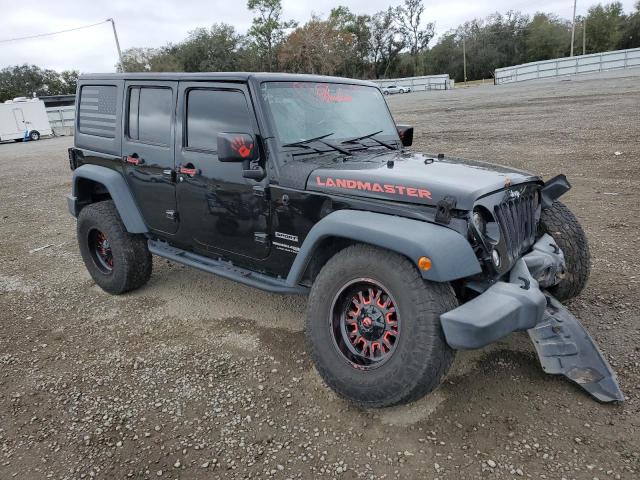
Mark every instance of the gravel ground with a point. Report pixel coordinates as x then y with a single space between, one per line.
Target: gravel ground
196 377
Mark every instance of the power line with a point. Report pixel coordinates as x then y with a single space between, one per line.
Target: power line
51 33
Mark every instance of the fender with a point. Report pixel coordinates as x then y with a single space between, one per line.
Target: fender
117 186
450 252
553 189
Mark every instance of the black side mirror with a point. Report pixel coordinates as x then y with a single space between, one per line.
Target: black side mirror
406 134
237 147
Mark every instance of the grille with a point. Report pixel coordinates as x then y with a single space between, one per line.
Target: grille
517 220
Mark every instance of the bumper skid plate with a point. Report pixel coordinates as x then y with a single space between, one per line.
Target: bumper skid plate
563 345
565 348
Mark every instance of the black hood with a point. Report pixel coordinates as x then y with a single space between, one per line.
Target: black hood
415 178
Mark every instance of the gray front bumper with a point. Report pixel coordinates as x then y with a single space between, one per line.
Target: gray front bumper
563 345
505 307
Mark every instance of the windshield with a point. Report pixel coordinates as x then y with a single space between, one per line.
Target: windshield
331 111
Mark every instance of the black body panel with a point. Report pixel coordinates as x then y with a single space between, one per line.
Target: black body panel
197 203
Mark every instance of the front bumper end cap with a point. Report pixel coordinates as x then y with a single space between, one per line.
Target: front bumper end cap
503 308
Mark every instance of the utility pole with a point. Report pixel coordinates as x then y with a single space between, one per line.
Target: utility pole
115 35
464 59
584 36
573 26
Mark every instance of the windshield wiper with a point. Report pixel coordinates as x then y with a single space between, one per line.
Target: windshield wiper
372 137
303 144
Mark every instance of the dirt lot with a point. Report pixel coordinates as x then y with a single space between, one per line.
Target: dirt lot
197 377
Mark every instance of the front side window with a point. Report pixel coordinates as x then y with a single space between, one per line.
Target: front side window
210 112
150 115
303 110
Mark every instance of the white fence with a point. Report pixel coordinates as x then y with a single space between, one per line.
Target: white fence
62 119
595 62
429 82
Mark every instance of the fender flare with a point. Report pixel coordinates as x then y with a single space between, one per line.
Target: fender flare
450 252
553 189
120 193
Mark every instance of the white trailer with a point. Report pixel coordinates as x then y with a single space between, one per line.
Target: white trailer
23 118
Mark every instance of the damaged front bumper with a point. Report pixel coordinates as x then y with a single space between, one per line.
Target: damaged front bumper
563 345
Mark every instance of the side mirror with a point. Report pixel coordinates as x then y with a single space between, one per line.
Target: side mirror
406 134
237 147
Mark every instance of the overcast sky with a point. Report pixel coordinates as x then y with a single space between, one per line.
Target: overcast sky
153 23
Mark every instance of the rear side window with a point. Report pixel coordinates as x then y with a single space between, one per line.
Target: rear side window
210 112
150 115
97 110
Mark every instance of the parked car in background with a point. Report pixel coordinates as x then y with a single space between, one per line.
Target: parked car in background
391 89
23 119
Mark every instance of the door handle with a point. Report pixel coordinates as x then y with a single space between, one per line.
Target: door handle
133 159
188 169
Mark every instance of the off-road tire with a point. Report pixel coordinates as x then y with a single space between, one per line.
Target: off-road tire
421 357
132 263
560 222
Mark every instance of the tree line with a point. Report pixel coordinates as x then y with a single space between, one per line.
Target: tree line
391 43
395 42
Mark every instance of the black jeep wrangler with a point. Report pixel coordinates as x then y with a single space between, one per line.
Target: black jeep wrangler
302 184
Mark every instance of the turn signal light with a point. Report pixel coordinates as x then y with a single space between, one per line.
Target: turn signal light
424 263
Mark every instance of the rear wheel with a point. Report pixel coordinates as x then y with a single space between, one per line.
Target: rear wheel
116 260
34 135
373 327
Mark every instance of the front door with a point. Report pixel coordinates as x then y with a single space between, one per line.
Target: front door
148 151
221 212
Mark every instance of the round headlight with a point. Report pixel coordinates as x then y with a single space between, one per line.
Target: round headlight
495 256
480 223
486 225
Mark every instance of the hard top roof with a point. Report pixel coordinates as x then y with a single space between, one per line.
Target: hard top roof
222 76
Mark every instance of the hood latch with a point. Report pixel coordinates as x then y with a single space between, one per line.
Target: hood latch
444 207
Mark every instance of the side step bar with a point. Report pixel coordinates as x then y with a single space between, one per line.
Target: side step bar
225 269
565 348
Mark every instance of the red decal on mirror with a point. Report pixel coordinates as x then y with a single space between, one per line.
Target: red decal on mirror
241 147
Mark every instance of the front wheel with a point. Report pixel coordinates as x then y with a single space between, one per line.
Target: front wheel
373 327
560 222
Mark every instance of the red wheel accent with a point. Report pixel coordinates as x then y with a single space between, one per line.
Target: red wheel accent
100 249
365 323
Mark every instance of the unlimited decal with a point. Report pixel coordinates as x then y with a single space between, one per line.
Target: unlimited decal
389 188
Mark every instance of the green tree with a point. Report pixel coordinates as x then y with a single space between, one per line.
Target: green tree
385 43
356 64
268 28
547 37
416 35
630 34
604 27
210 50
27 80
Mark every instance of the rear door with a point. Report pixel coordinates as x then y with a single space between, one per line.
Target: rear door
148 150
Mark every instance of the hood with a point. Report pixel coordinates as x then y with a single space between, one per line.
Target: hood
416 178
